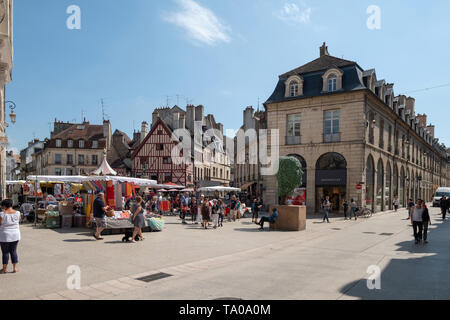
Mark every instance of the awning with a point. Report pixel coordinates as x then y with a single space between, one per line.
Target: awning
219 188
247 185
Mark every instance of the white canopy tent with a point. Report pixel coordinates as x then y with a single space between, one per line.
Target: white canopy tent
81 179
15 182
104 169
219 189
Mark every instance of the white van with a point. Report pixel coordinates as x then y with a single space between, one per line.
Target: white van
440 192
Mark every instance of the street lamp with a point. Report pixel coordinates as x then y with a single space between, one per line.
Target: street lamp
12 115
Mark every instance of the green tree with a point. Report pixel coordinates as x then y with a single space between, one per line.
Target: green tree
289 176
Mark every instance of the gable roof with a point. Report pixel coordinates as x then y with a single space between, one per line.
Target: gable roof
83 131
325 62
158 122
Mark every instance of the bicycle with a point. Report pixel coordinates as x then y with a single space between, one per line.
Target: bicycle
364 212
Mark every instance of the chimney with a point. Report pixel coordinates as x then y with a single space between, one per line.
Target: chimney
324 50
199 113
144 130
182 123
190 117
430 130
107 133
422 118
175 120
155 117
410 103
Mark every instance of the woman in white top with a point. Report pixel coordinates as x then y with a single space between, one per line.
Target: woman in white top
9 234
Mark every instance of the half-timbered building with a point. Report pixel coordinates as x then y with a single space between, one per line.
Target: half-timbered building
152 159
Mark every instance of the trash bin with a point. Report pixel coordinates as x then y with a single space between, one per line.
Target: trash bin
79 221
66 221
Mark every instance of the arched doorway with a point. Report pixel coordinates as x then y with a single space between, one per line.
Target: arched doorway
380 183
370 183
331 180
388 194
401 191
395 184
408 186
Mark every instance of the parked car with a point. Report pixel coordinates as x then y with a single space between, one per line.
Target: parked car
440 192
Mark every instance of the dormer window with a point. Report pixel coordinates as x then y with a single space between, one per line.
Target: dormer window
332 83
293 89
332 80
81 144
95 144
294 86
69 143
58 143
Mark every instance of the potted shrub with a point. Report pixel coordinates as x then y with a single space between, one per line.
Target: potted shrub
289 177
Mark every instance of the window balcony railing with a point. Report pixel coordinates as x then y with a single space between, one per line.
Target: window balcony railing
332 137
293 140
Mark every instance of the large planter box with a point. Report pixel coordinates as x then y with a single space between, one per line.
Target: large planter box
290 218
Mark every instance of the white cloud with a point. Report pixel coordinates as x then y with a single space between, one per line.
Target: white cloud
14 150
293 13
200 23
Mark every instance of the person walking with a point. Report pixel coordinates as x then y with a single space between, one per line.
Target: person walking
444 207
199 209
215 214
345 205
193 209
238 210
205 213
255 210
99 213
353 207
417 221
426 222
396 203
221 212
326 208
9 234
411 206
233 206
138 219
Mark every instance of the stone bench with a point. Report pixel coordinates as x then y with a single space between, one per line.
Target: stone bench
290 218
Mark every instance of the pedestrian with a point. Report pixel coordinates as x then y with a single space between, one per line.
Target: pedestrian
199 209
233 206
9 234
345 209
353 207
238 209
272 219
215 214
444 207
221 212
138 219
411 206
193 209
396 203
99 213
326 208
417 221
426 222
205 213
255 210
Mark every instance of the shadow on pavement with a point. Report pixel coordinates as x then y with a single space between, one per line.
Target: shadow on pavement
410 277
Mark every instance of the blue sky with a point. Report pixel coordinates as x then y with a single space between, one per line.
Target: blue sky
222 54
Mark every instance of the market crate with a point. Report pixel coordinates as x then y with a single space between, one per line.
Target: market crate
53 222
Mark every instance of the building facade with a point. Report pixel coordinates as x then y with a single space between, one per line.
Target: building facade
73 149
6 65
153 158
246 169
353 136
211 165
